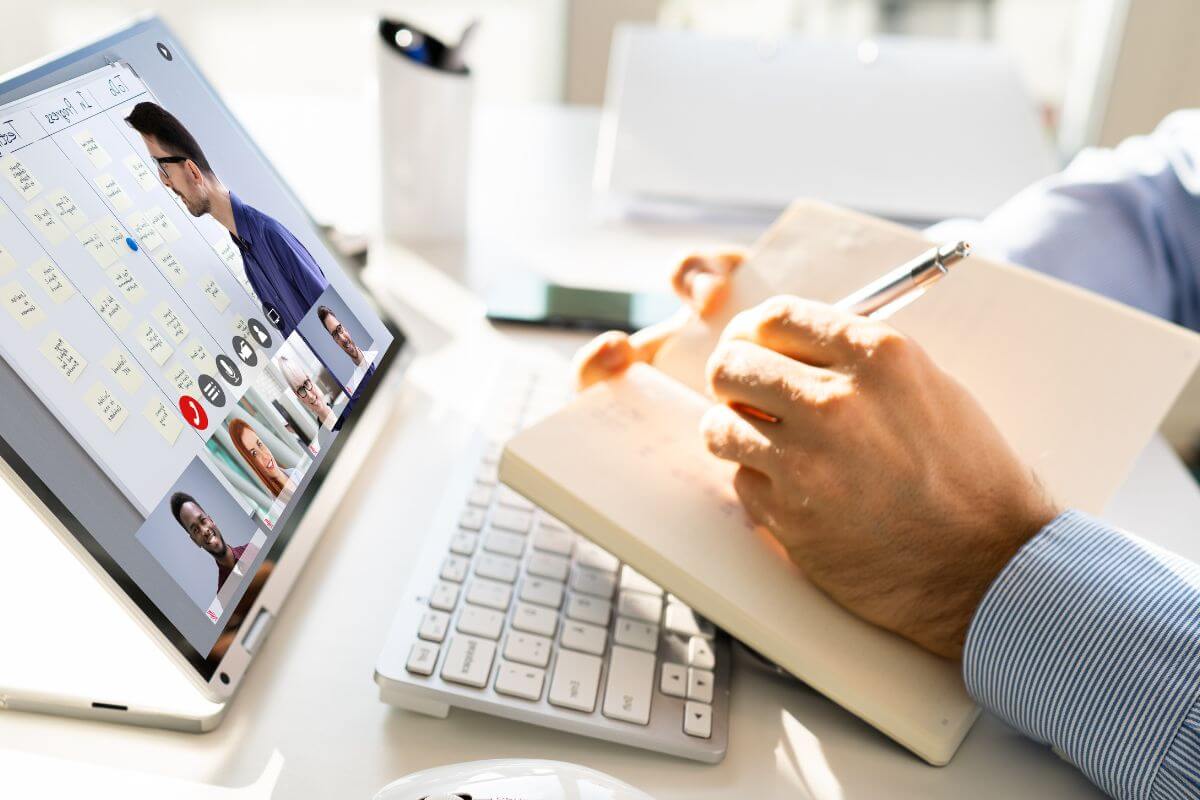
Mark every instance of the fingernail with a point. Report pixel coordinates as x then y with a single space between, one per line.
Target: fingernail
611 358
703 287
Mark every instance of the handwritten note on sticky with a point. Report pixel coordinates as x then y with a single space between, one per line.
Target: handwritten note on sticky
113 192
46 221
141 173
95 242
20 177
170 267
199 356
154 344
59 352
214 293
50 277
146 233
68 211
87 142
127 282
171 322
230 255
120 365
20 305
180 378
111 310
114 234
159 219
106 405
163 418
7 262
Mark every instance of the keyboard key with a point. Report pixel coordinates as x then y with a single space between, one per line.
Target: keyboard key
635 581
548 566
454 568
700 653
528 648
639 605
468 661
584 638
472 518
590 581
478 621
535 619
500 568
700 685
508 497
480 495
542 591
444 596
576 679
433 626
511 519
630 685
586 608
519 680
554 541
504 543
549 523
697 720
681 619
674 680
492 451
590 554
634 633
422 658
464 543
483 592
488 473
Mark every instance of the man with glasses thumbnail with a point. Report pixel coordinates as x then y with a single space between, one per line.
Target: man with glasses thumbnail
284 274
205 534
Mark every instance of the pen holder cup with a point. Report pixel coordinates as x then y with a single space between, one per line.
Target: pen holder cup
425 110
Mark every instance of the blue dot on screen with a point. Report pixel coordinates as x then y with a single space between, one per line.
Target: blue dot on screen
133 245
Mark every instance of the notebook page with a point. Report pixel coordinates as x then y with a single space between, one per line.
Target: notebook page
638 480
1076 382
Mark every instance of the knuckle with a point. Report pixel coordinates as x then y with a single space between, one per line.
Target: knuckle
720 368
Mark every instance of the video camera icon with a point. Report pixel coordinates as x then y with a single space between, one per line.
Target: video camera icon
243 350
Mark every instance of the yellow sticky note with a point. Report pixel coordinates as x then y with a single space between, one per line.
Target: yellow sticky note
154 344
199 356
47 222
106 405
113 192
68 211
20 305
145 232
110 308
7 262
127 282
163 418
171 322
214 293
141 173
99 156
120 365
159 219
50 277
20 177
180 378
230 255
95 241
59 352
170 267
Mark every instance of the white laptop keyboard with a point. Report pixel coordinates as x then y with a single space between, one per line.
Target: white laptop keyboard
514 614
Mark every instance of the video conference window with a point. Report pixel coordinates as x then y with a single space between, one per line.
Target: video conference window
189 341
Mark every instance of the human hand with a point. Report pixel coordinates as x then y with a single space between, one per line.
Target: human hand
701 281
883 478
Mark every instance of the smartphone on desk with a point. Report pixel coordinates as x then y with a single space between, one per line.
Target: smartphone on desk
531 300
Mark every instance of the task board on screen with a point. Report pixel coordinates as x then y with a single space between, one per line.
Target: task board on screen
115 299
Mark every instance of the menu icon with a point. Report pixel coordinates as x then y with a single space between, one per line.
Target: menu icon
211 390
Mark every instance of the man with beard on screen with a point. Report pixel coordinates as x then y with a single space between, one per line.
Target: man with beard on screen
205 534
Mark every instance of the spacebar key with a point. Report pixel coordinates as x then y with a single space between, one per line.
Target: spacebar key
630 684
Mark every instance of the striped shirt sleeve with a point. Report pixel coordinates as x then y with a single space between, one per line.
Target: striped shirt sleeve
1089 641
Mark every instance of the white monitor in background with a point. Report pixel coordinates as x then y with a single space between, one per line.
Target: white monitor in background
912 129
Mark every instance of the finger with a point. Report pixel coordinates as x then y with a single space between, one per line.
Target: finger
741 373
732 438
753 488
804 330
647 342
606 356
702 280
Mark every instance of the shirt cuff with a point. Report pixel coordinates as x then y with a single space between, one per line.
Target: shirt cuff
1089 640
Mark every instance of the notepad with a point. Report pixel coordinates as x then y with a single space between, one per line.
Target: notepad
1077 384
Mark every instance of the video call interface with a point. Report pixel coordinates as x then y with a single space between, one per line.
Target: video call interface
198 373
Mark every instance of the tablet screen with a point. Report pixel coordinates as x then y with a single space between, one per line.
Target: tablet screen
179 352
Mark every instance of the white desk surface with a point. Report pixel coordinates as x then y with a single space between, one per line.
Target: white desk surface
311 695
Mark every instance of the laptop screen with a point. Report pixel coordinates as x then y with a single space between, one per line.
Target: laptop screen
179 352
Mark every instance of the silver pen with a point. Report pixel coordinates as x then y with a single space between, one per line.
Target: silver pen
919 273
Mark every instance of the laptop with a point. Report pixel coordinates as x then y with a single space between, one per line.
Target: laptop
902 127
191 379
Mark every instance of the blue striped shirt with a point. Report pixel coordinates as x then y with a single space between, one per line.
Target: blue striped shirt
1089 640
